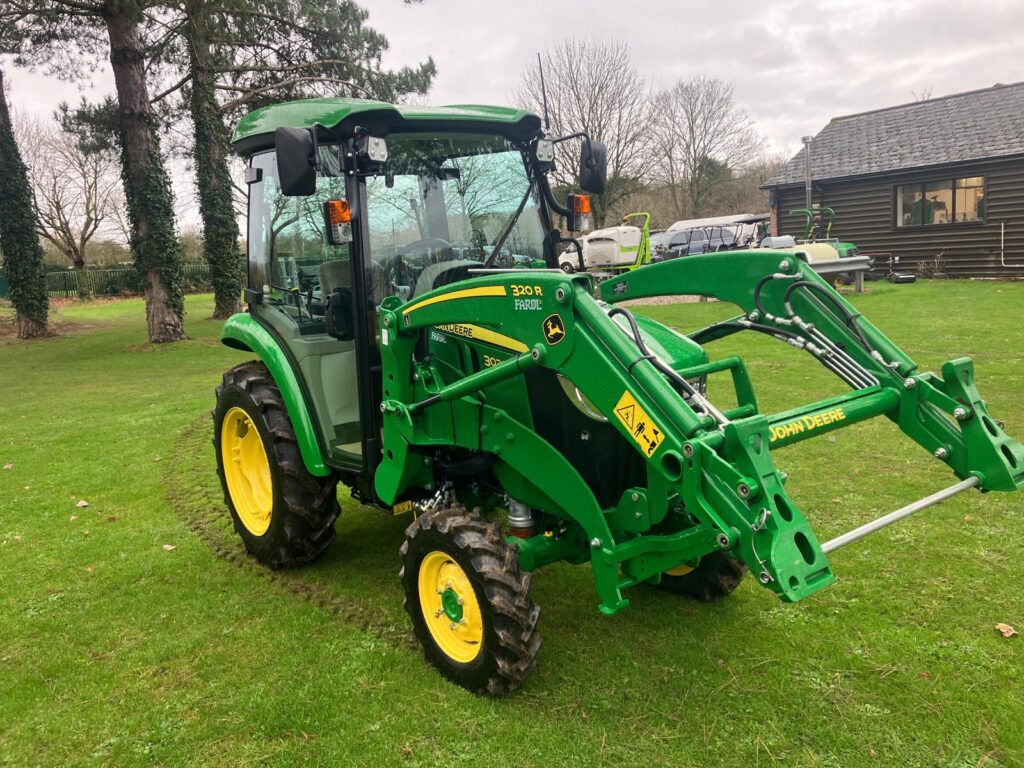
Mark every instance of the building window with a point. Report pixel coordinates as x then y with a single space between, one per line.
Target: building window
940 202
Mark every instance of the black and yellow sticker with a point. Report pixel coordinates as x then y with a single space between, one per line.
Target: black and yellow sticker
641 427
401 508
554 329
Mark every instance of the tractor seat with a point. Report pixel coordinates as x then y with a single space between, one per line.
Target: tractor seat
336 273
443 273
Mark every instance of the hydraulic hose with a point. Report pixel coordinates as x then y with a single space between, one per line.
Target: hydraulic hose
688 390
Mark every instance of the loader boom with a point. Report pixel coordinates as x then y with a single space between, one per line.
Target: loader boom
711 481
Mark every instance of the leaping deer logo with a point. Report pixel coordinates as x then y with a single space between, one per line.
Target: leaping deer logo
554 329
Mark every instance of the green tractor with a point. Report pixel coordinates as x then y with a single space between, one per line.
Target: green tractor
524 416
818 229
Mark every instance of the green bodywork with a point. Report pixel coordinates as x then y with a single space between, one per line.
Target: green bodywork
331 113
707 485
532 396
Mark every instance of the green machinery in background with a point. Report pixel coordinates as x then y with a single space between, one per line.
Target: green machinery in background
818 229
524 416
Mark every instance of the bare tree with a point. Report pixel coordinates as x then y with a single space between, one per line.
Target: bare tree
700 135
924 94
77 189
593 86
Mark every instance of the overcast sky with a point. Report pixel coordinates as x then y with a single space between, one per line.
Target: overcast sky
795 64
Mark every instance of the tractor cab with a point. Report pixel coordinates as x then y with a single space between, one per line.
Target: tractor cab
351 202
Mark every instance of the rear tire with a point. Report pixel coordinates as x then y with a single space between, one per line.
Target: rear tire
567 267
284 515
469 601
715 577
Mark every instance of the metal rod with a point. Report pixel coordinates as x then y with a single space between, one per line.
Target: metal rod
899 514
807 170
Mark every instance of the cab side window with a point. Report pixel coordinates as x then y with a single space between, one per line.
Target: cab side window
290 260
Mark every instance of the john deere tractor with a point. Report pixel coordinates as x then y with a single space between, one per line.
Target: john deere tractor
523 416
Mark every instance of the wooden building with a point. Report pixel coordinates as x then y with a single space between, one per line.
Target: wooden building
939 183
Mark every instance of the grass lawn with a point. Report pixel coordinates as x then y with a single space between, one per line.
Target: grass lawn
116 651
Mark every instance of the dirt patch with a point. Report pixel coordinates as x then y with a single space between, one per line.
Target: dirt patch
195 495
9 331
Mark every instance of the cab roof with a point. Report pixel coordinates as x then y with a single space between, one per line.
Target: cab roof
255 131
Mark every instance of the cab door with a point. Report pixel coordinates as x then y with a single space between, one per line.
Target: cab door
293 270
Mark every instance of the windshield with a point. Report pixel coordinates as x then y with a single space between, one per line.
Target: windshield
442 205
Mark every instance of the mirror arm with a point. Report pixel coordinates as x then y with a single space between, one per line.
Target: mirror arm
549 197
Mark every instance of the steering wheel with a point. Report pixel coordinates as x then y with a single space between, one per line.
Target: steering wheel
437 243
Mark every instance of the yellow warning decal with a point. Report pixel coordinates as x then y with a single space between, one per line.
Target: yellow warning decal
640 426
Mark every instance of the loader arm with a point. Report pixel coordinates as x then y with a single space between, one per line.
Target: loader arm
783 296
711 482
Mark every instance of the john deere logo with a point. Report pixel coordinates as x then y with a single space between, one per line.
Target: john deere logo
554 329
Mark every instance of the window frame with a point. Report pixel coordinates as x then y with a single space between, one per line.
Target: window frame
952 178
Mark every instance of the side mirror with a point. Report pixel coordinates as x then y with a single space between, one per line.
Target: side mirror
295 167
593 167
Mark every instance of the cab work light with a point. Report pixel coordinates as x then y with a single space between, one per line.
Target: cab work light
580 219
338 221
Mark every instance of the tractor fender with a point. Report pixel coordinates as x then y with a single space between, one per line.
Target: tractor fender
242 331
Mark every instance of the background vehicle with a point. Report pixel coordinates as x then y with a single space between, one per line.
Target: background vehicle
613 249
672 244
522 416
743 226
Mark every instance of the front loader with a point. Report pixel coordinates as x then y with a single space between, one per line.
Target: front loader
524 416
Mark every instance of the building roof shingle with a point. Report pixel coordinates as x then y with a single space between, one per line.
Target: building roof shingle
964 126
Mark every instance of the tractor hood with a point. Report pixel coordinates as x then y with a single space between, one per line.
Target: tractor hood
340 116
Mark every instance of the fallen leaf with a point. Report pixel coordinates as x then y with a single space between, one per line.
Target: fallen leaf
1006 630
170 547
72 518
82 503
88 569
157 458
968 518
85 533
8 466
925 676
111 518
28 487
17 538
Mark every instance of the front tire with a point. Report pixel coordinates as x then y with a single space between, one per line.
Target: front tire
284 515
715 577
469 602
567 267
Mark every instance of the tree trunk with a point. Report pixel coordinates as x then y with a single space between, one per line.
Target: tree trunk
19 244
155 247
220 230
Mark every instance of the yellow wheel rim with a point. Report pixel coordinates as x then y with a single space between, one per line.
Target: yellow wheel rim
679 570
450 608
247 471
